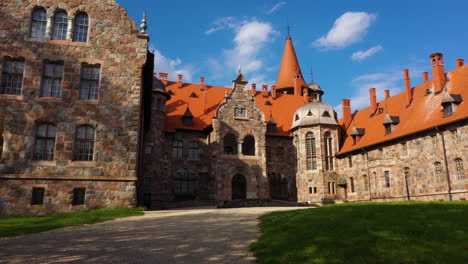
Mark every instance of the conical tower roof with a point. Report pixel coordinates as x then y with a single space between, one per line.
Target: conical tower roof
289 69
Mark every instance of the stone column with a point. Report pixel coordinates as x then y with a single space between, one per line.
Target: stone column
239 148
71 23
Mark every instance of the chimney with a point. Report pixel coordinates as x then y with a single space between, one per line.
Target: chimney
373 99
407 86
297 86
265 90
438 71
305 95
163 77
202 83
346 110
425 76
254 87
460 62
273 91
387 94
179 80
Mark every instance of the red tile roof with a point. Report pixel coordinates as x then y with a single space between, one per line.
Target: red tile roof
203 106
425 111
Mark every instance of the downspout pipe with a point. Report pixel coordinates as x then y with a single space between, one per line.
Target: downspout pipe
446 163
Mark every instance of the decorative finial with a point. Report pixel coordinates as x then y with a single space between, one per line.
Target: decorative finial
143 25
239 70
289 31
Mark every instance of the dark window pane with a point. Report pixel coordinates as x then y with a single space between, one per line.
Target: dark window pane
79 196
60 26
84 143
45 142
38 23
12 77
80 30
37 197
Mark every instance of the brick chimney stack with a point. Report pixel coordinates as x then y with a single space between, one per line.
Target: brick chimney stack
254 87
179 80
306 96
387 94
297 86
202 83
273 91
460 62
163 77
438 71
425 76
346 110
373 99
407 86
265 90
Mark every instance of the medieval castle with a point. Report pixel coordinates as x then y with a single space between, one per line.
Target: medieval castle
84 123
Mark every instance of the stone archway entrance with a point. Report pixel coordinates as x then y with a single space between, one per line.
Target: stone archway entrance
238 187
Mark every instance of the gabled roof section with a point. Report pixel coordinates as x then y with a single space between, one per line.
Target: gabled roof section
289 67
424 112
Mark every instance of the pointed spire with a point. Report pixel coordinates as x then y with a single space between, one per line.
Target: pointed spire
289 69
143 25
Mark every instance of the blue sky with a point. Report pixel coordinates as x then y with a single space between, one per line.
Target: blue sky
350 46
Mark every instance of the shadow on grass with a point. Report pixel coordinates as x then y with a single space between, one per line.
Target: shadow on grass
21 225
405 232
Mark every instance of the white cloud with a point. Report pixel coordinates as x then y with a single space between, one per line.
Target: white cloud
222 23
171 66
361 55
275 8
249 39
349 28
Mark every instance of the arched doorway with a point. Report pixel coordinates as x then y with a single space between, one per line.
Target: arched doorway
238 187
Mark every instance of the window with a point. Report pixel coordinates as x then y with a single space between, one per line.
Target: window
459 168
52 79
331 187
455 137
60 26
328 151
365 181
350 162
177 148
240 111
388 129
230 144
184 183
84 143
448 109
438 171
387 178
79 196
351 182
37 197
89 86
315 189
311 152
194 151
45 142
156 104
310 189
38 23
248 146
12 76
80 29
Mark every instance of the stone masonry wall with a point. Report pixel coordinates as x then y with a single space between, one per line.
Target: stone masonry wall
115 44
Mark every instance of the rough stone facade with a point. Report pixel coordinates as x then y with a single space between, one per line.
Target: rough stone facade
113 43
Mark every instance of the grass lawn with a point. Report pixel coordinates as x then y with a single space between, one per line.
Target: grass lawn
404 232
21 225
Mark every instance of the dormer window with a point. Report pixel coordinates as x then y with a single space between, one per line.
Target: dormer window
187 118
450 103
310 113
296 117
326 114
379 111
240 111
388 129
356 134
390 123
428 92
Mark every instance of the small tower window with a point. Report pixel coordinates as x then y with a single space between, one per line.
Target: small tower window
351 182
326 114
248 146
230 144
387 179
80 29
438 171
459 168
328 151
296 118
311 152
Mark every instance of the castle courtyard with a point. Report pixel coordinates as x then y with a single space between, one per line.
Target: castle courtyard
203 235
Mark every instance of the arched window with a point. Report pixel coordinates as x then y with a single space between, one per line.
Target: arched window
311 152
45 142
351 182
230 144
38 23
328 151
84 143
194 151
177 147
60 26
459 168
248 146
184 183
438 171
80 29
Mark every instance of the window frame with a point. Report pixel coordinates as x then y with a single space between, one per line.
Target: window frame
84 147
459 170
77 27
328 145
35 22
19 77
185 183
44 155
92 81
37 192
79 196
58 32
311 151
438 170
194 150
177 148
52 92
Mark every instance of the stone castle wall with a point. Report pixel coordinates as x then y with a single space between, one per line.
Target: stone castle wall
114 43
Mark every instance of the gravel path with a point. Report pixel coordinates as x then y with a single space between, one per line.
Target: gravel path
208 236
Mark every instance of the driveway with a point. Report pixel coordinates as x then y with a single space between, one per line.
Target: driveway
207 235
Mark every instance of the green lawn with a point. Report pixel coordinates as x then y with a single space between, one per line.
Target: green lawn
405 232
21 225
